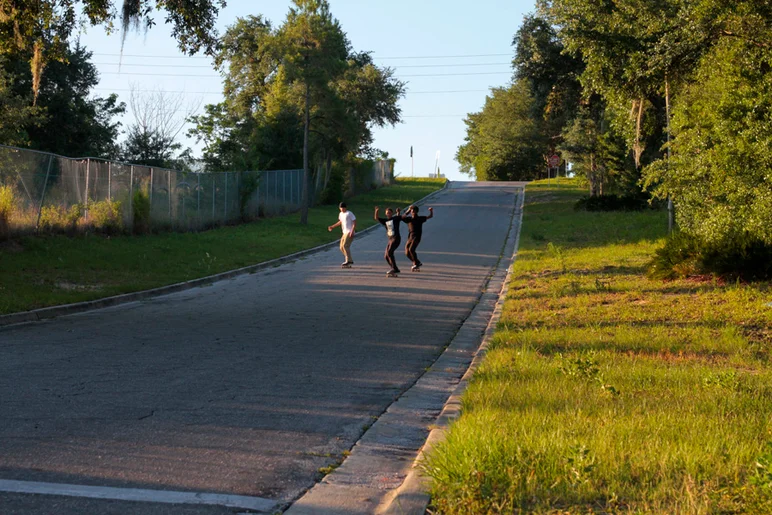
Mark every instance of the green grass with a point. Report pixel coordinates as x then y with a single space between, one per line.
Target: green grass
50 270
607 392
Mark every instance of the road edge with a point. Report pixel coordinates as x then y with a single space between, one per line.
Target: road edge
36 315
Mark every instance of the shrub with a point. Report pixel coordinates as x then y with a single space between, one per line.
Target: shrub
60 218
247 188
7 206
613 203
684 255
106 216
140 202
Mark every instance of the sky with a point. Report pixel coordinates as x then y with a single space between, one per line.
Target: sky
450 53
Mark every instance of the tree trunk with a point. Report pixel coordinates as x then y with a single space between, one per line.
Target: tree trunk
304 196
327 171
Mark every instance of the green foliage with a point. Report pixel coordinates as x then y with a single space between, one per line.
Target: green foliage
503 141
140 206
249 184
268 72
106 216
16 113
7 207
719 174
684 255
71 121
613 203
58 219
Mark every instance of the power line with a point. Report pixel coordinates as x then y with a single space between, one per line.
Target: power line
218 77
460 56
219 92
210 68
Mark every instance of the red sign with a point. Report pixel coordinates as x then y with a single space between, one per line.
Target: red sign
554 161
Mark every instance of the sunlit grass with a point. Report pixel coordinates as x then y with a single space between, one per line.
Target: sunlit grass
49 270
606 392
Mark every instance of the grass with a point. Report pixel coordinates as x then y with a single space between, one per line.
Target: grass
606 392
50 270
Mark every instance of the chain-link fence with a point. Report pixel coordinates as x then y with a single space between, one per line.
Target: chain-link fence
41 191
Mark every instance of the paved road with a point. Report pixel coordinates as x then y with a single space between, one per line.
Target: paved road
246 387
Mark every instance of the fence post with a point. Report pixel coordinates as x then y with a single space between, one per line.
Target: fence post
131 196
88 174
110 181
225 203
214 187
150 193
169 193
43 195
198 198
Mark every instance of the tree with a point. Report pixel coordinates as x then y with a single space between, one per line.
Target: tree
720 169
71 122
552 73
15 114
160 117
503 141
42 28
296 95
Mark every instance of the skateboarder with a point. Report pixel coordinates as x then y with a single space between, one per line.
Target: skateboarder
415 230
391 223
348 223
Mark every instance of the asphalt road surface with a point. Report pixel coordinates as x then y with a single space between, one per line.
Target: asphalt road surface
246 387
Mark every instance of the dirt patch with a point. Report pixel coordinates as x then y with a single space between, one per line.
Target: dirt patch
64 285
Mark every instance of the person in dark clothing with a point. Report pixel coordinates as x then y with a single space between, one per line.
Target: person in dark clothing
391 223
415 224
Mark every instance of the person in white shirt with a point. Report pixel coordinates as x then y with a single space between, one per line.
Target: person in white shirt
348 223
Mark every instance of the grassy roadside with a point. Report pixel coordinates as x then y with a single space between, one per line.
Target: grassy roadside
607 392
45 271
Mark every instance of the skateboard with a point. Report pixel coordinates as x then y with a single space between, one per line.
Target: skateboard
415 269
392 274
346 265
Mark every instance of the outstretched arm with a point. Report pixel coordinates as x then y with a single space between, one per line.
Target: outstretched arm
333 226
431 213
375 216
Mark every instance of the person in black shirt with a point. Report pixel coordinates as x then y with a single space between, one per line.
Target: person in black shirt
415 227
391 223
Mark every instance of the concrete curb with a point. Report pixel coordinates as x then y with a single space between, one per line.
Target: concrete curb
36 315
412 496
381 474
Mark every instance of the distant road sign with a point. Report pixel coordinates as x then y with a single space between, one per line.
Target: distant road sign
554 161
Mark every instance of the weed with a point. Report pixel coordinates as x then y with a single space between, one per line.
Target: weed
106 216
7 207
60 218
140 202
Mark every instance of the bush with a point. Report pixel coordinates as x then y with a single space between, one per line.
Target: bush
7 206
106 216
613 203
140 203
60 218
684 255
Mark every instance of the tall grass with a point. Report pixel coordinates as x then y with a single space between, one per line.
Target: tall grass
7 205
607 392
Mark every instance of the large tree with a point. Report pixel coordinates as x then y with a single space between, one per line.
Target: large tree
42 28
295 95
71 121
504 141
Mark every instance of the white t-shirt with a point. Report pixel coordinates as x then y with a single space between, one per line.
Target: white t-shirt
346 221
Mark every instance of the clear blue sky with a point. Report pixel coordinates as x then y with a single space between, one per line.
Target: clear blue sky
449 52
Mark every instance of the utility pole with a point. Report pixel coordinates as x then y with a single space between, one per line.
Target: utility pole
411 160
437 165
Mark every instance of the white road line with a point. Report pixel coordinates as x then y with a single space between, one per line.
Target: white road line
138 494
